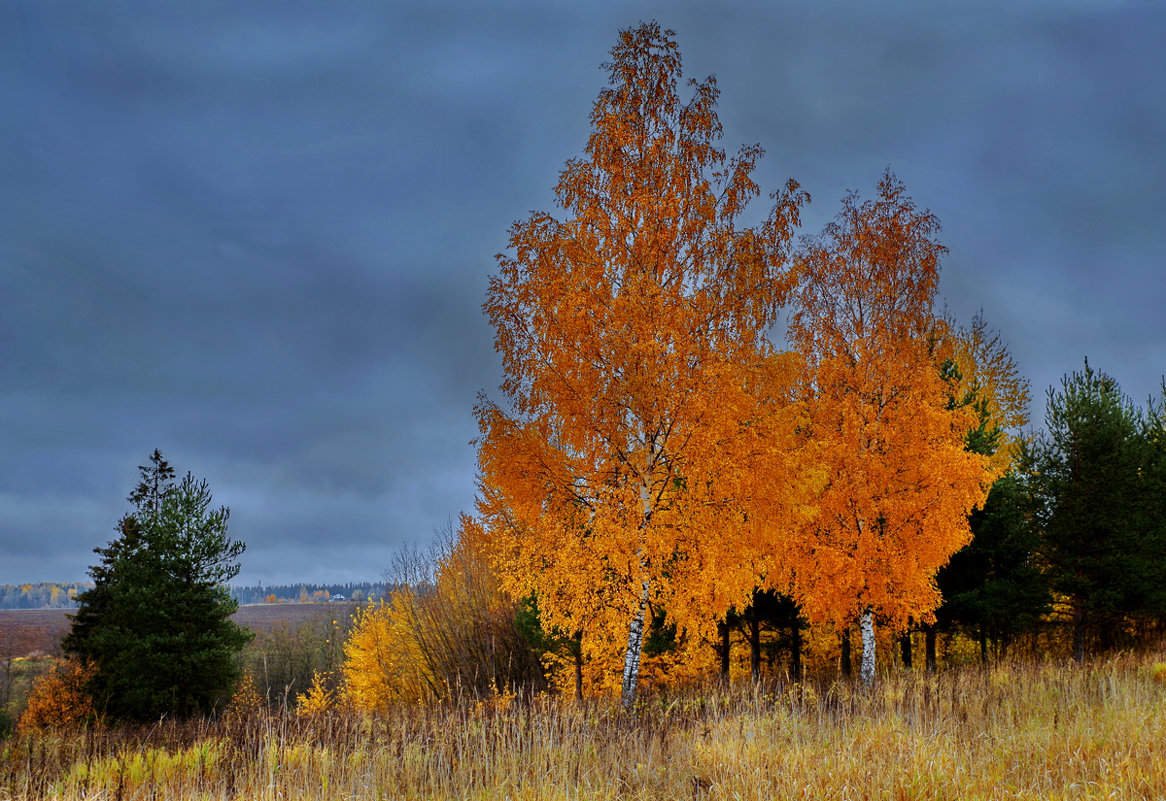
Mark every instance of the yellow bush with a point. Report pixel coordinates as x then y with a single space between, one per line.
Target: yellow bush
317 700
246 701
450 630
383 662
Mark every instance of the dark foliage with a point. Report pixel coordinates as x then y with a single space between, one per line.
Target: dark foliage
157 622
1096 477
994 588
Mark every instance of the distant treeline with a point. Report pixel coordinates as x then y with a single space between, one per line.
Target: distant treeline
305 593
49 595
41 595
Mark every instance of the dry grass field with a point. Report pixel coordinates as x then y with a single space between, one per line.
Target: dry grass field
1048 731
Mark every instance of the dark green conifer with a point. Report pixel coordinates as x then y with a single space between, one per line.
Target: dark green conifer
1093 475
157 622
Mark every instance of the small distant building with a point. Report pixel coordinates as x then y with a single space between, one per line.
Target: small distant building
337 597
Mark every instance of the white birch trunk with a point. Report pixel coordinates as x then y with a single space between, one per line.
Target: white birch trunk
631 662
866 626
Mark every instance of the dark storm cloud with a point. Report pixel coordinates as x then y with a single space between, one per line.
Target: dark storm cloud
257 235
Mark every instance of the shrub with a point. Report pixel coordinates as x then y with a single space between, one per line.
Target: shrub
59 698
449 629
318 699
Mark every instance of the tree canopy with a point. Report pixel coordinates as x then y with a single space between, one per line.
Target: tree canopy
657 458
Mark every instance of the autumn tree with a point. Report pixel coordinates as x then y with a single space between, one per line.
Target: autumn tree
901 483
647 439
59 698
156 626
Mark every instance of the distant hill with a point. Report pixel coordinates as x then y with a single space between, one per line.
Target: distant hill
50 595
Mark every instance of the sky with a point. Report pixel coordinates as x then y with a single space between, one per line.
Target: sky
256 234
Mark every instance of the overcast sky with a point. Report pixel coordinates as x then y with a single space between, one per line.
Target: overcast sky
257 235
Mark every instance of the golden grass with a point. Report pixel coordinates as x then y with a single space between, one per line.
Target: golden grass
1036 732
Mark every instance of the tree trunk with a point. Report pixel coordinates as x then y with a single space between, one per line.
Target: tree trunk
929 647
1107 638
755 647
905 649
631 662
1078 633
795 650
726 639
578 666
844 660
866 627
983 645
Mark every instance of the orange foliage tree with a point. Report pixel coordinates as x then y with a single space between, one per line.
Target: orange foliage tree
901 483
645 460
59 698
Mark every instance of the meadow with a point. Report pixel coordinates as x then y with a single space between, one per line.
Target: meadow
1049 730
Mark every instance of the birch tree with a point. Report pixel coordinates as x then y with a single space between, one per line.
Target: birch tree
900 481
647 430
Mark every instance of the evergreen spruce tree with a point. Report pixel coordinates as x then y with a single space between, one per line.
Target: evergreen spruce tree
1092 480
1154 510
994 587
156 624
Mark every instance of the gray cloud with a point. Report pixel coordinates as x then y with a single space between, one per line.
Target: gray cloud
257 236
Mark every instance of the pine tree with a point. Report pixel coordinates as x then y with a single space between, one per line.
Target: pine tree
995 587
1154 509
156 624
1094 499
